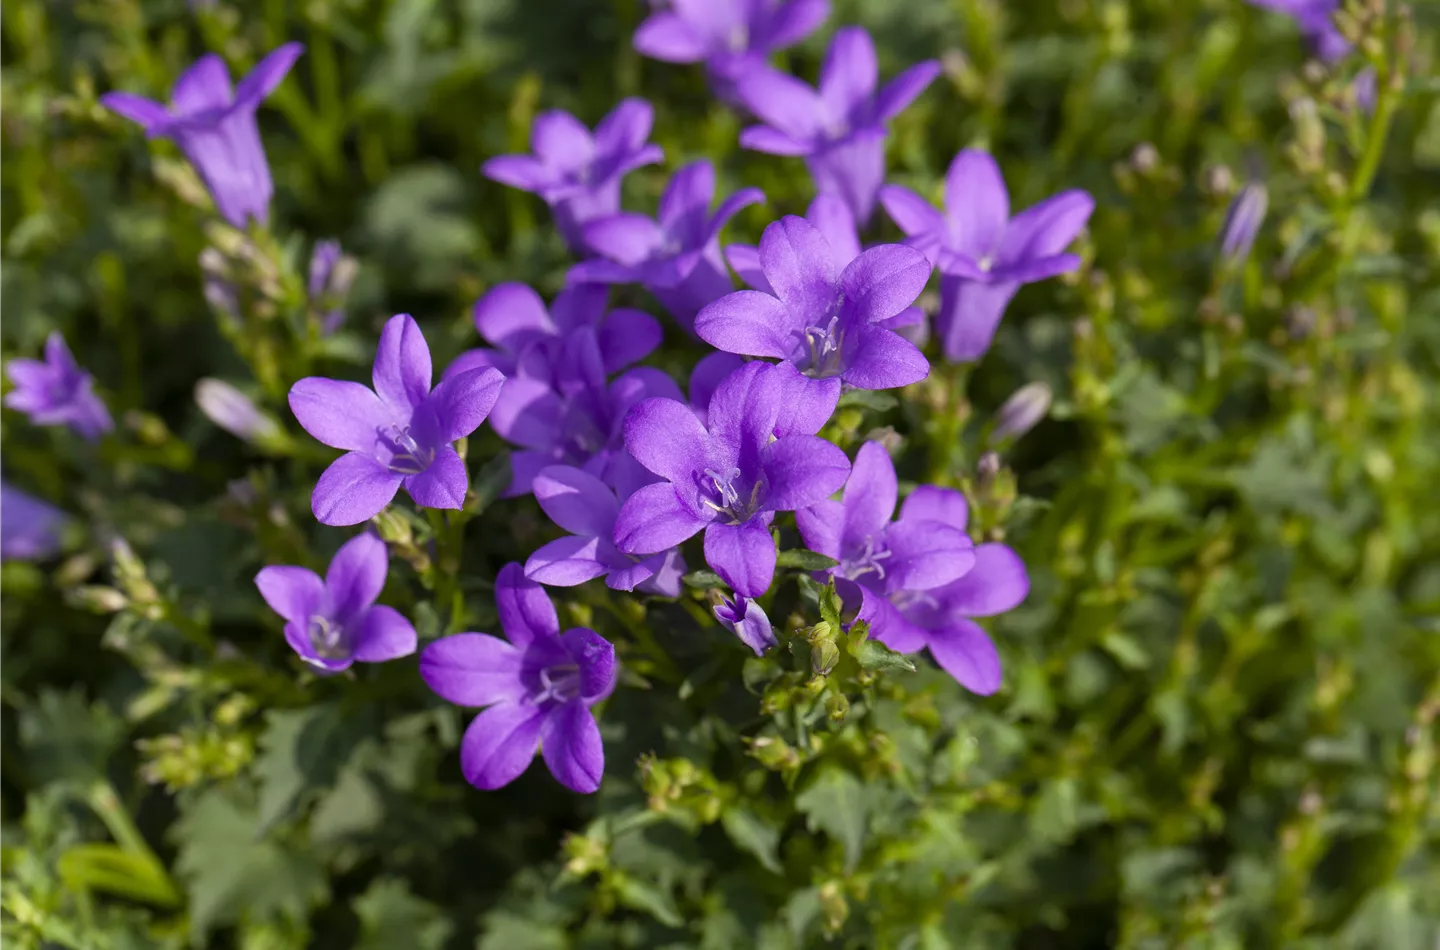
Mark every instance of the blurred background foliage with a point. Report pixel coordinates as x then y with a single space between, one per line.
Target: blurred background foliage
1218 725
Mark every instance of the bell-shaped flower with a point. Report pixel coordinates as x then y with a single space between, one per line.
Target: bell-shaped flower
55 391
537 685
747 620
30 529
399 432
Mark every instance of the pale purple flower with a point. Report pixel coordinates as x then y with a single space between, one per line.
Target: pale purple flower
830 321
215 128
677 256
983 254
586 507
529 340
538 687
55 391
29 528
576 173
882 562
398 432
332 272
727 477
1242 222
1021 412
729 36
335 622
840 128
747 620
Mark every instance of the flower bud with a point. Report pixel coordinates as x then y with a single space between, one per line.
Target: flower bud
823 657
1242 222
332 273
99 599
233 411
837 707
1021 412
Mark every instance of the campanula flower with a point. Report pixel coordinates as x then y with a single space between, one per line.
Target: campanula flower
528 339
576 173
747 620
335 622
677 256
729 36
55 391
727 477
568 413
840 128
586 507
538 687
827 319
882 561
1242 222
332 272
29 528
1316 19
708 374
215 127
983 254
398 432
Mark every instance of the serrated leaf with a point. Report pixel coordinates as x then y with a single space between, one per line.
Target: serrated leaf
390 916
874 655
753 835
836 803
67 739
703 579
805 560
301 749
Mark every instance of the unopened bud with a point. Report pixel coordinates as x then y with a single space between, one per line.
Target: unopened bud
1021 412
1242 222
837 707
233 411
99 599
823 656
332 273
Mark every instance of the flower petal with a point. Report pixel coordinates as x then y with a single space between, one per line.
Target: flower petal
627 336
519 171
458 405
932 503
969 315
511 314
654 519
560 140
977 203
925 555
294 593
804 404
912 213
967 653
668 38
801 470
204 86
706 376
664 436
899 92
744 260
743 555
763 138
526 611
870 496
998 582
147 113
883 359
576 501
800 264
566 562
1046 229
1030 269
794 21
353 489
570 743
684 210
750 323
341 414
626 238
832 217
595 656
384 634
402 364
267 74
888 624
848 75
500 744
443 484
473 669
883 281
821 525
528 413
626 128
854 169
782 102
357 574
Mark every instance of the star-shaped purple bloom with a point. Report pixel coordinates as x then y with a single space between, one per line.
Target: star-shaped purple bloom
983 254
55 391
578 174
539 688
334 622
729 36
839 128
29 528
529 340
216 128
585 506
882 561
831 324
747 620
677 256
398 432
728 477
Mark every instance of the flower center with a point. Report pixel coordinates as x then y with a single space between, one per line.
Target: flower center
739 39
327 638
408 457
868 561
824 345
560 682
728 501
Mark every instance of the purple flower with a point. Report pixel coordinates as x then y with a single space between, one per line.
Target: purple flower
578 174
728 477
1242 222
840 128
983 254
529 340
708 374
566 413
57 392
336 622
1316 19
730 36
747 620
677 257
831 324
882 563
331 274
216 128
400 431
539 688
585 506
29 528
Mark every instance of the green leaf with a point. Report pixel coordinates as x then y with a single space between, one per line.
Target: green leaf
703 579
67 739
830 606
805 560
836 803
646 897
302 749
112 870
868 399
390 916
753 835
1125 650
874 655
